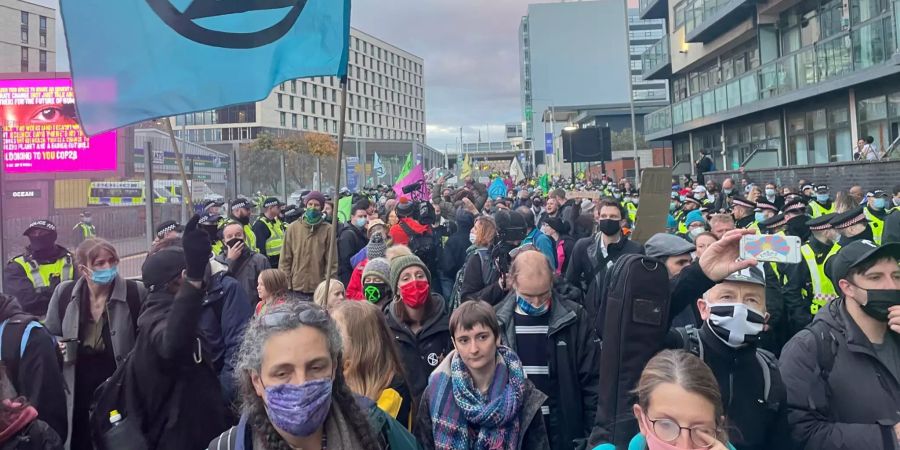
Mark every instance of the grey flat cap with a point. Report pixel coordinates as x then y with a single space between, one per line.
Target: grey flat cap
663 245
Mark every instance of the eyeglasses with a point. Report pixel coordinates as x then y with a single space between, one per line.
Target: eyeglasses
668 430
309 316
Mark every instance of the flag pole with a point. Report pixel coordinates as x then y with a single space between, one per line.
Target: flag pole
332 251
186 199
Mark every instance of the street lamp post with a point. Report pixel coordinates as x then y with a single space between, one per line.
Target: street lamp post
568 131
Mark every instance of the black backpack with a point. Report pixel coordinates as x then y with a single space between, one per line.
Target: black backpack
636 323
421 245
487 275
15 333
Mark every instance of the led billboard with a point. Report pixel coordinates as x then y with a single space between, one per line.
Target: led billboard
40 130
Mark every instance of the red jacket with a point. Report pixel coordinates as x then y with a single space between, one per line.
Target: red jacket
355 286
399 236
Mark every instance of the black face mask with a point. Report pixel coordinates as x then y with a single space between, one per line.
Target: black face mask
42 244
880 300
865 234
375 292
243 220
609 227
797 227
233 242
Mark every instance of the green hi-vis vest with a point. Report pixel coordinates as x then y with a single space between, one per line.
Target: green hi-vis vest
40 274
876 224
249 237
632 211
276 237
819 210
87 230
823 289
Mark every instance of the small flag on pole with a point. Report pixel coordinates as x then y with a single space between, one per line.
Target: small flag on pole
135 60
466 171
379 167
407 166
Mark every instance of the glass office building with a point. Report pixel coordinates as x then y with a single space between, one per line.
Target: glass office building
775 84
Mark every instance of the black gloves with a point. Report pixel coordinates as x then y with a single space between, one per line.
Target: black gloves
197 249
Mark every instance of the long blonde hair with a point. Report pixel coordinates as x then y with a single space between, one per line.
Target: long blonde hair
322 296
371 359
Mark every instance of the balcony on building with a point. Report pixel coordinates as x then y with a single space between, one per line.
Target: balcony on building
655 62
706 20
653 9
863 53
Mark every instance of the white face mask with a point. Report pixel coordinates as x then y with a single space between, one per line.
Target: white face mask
735 323
472 237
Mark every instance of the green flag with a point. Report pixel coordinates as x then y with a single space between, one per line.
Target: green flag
407 166
545 183
343 210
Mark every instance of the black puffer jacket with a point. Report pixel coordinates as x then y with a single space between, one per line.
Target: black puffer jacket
858 405
574 365
421 352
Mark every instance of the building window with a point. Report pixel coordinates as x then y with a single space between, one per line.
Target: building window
24 27
305 122
42 61
24 65
294 120
280 102
292 102
43 30
293 86
303 88
282 119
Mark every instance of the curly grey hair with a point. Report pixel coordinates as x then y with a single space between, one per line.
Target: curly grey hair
280 319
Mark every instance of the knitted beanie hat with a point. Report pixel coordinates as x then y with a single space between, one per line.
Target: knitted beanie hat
376 246
378 267
401 263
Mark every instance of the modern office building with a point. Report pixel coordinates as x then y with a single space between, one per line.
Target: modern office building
574 64
385 101
27 37
571 54
777 83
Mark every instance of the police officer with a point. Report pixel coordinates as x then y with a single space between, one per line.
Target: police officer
168 229
742 209
241 208
213 206
876 211
734 315
85 229
32 276
269 231
808 288
821 204
852 225
209 223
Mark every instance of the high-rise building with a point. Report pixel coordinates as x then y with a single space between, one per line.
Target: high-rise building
385 101
574 61
777 83
27 37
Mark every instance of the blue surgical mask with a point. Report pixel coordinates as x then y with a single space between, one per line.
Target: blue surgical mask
360 222
104 276
879 203
760 217
770 192
727 191
530 309
821 198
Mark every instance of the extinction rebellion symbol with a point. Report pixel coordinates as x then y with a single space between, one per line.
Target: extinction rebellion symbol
372 294
183 22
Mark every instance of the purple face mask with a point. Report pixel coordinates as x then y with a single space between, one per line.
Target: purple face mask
299 409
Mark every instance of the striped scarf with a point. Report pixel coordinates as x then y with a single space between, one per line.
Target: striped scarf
457 405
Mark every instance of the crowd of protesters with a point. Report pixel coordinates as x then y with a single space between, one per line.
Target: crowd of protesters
464 319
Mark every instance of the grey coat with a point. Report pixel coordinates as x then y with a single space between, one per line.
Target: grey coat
121 325
247 274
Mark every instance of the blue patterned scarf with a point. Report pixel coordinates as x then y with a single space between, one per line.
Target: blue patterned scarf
456 405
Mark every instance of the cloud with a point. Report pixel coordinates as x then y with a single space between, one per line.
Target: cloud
471 53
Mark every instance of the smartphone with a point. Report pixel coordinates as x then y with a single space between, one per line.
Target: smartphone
771 248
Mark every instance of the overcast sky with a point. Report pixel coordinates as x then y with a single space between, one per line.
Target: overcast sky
471 57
